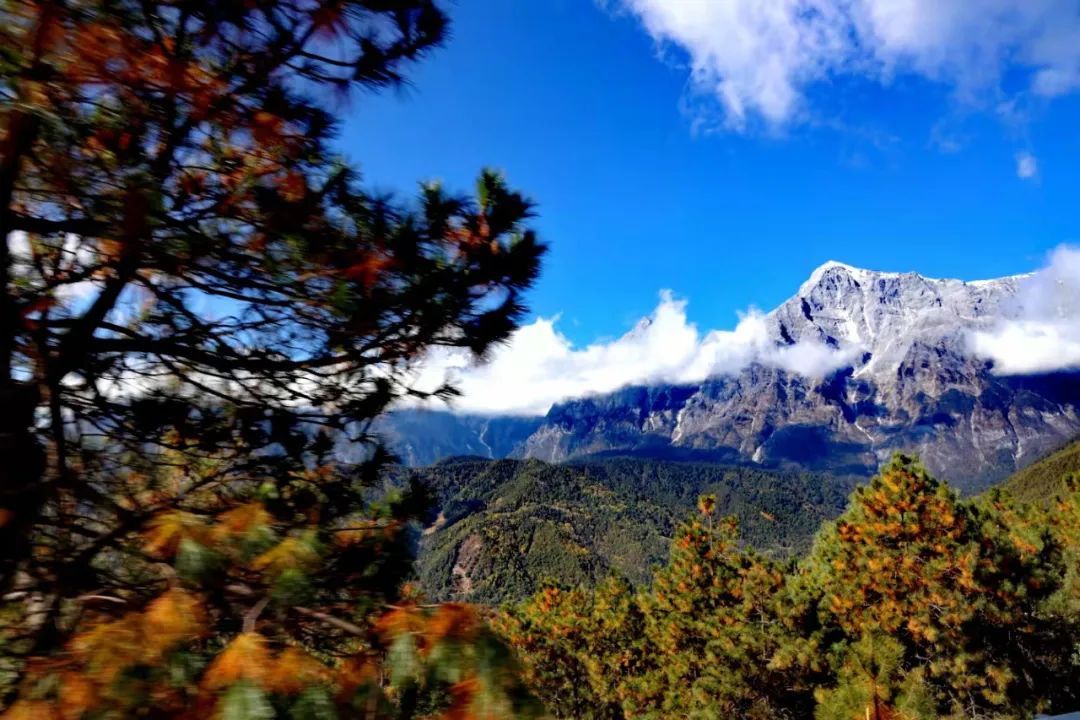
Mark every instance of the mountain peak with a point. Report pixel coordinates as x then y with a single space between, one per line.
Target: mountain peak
862 274
886 314
830 264
833 268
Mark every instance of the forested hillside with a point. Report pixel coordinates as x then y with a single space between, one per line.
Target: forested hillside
1041 482
505 526
913 604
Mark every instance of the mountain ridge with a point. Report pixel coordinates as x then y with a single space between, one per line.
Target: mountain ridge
895 371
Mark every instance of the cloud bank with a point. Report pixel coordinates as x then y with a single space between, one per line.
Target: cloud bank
758 58
539 366
1041 330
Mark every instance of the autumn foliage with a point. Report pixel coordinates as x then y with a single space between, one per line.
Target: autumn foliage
913 605
201 312
183 654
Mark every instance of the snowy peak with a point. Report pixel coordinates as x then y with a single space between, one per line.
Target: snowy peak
886 313
833 271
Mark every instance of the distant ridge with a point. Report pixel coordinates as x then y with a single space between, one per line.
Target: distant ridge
907 381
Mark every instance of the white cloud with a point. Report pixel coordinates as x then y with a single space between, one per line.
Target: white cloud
1027 166
1041 332
757 58
540 366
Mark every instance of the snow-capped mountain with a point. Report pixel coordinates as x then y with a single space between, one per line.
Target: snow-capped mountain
908 380
885 314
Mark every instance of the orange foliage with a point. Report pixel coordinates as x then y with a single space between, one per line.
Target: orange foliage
369 269
293 670
398 621
292 186
245 658
109 648
453 621
461 700
240 521
77 695
173 617
289 553
267 128
32 710
353 673
167 530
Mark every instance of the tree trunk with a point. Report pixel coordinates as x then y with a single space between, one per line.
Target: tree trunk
22 490
22 464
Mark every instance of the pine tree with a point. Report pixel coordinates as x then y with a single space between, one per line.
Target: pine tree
873 682
956 587
579 646
913 605
710 615
698 642
1060 650
1064 519
200 306
255 623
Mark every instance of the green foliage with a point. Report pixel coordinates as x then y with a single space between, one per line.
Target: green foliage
1064 518
244 701
195 562
580 646
870 676
506 527
913 604
228 644
314 704
710 615
1042 482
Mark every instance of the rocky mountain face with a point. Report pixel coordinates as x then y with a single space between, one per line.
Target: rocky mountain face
908 382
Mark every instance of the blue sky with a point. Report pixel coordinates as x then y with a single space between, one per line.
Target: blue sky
647 179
